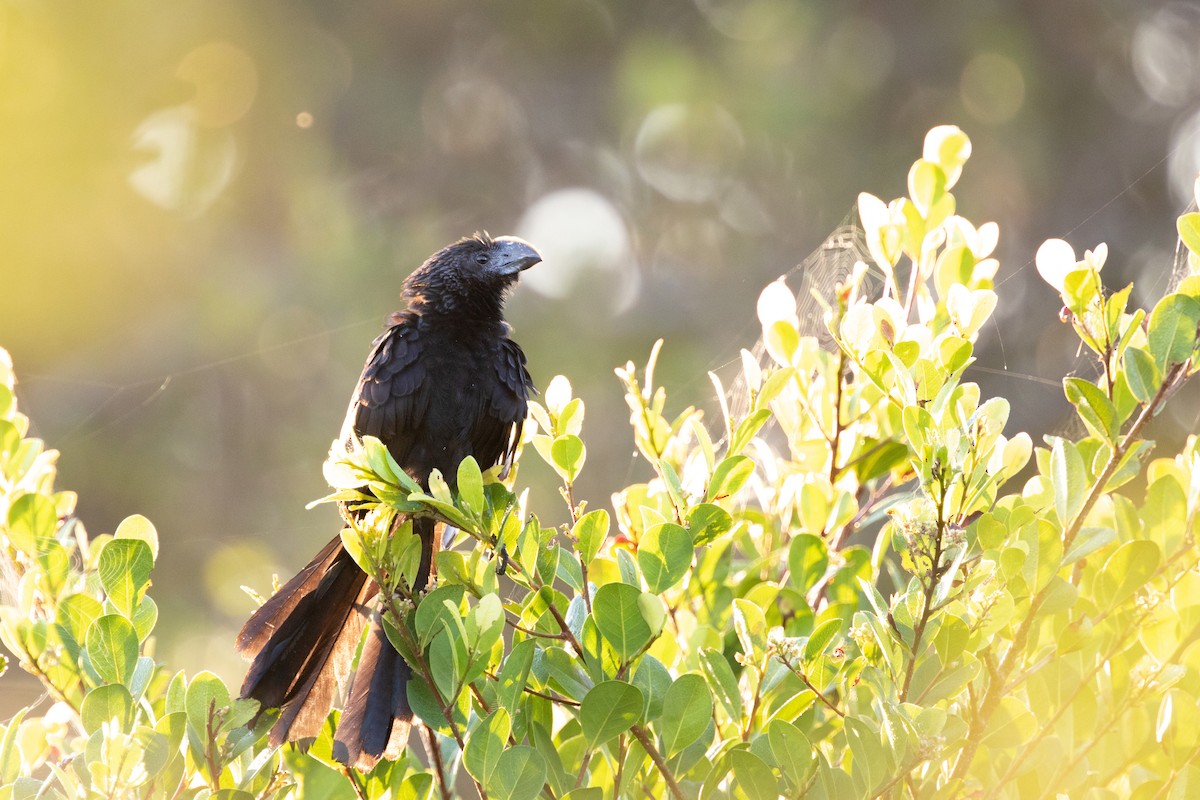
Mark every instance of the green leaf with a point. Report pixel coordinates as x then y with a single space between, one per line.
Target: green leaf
1189 231
665 555
138 527
470 484
654 679
76 613
145 616
125 566
1070 481
729 477
808 557
722 681
588 793
519 775
112 648
792 751
619 618
708 522
1171 332
485 744
31 517
751 627
747 429
568 455
10 752
1093 406
590 532
821 637
608 710
1127 570
753 776
514 675
1142 374
687 710
437 611
1087 542
926 185
206 695
105 703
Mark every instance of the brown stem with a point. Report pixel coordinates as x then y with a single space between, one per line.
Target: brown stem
622 749
439 767
930 588
640 734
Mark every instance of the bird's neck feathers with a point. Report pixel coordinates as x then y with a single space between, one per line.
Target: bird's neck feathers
447 296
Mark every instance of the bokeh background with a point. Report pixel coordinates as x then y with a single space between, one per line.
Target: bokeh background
207 208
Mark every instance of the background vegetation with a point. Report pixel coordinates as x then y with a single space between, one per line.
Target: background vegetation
208 208
828 592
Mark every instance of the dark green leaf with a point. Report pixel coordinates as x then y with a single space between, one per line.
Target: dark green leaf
654 680
753 776
436 610
1142 374
664 556
687 710
519 775
619 618
610 709
485 744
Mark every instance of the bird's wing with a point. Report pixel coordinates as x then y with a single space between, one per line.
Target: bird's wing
507 401
388 403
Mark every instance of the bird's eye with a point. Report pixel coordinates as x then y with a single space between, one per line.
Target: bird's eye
481 259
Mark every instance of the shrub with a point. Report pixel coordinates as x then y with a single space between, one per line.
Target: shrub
833 592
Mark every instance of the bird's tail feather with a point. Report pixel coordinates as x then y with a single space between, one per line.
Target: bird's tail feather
377 718
303 641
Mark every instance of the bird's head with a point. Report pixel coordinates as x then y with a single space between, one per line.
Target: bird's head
470 276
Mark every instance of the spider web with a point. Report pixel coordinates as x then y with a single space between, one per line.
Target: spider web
818 275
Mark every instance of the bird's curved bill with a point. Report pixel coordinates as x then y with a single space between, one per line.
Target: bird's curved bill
515 254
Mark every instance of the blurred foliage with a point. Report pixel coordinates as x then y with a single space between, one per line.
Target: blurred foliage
832 592
209 207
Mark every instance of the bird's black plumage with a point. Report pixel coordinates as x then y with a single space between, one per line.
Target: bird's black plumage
444 381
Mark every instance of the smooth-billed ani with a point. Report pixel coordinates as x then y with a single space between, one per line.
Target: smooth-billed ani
443 382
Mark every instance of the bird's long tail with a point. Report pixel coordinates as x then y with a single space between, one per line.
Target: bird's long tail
303 641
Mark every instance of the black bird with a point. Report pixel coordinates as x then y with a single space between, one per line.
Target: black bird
443 382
